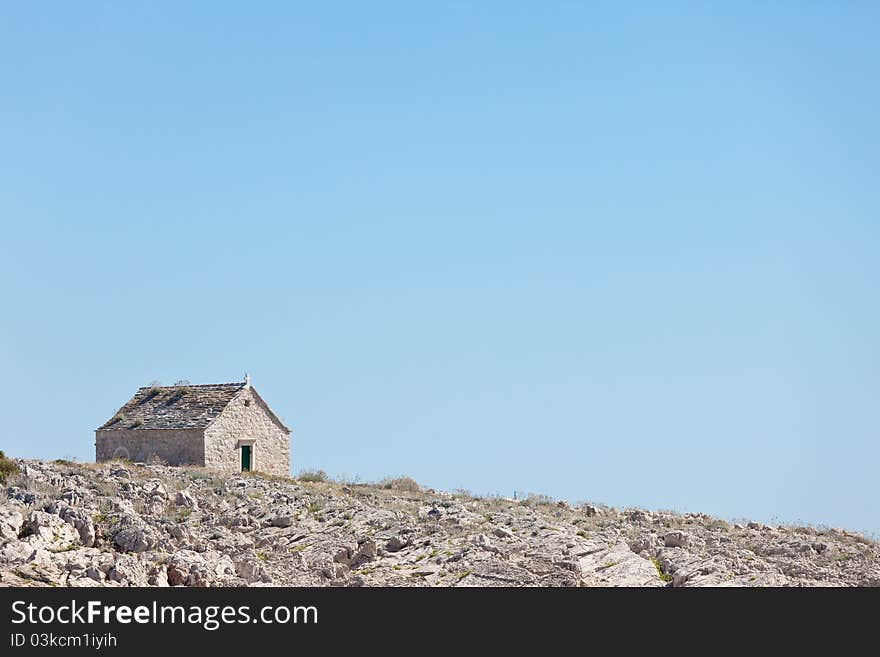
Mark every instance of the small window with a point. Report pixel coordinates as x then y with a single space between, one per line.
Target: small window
247 402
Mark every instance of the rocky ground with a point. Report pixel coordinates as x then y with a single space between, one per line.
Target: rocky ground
122 524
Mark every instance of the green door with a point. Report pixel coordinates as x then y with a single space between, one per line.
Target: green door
245 458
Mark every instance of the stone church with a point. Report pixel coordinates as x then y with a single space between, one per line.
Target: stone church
224 426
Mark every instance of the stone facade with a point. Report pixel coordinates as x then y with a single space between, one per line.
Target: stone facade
213 422
172 446
246 420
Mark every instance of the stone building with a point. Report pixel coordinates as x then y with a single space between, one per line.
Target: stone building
225 426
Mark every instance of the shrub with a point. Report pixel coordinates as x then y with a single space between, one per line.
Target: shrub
407 484
7 467
536 499
313 475
662 574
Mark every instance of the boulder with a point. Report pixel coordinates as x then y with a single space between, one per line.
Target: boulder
132 536
250 569
502 532
482 541
643 543
618 566
124 506
188 568
430 513
344 555
637 515
676 538
47 573
50 531
367 549
78 518
282 520
11 520
179 532
221 565
186 499
335 571
21 495
121 473
155 488
157 576
395 544
16 552
72 497
128 571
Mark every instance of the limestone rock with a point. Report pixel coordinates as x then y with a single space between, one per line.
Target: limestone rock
187 568
676 539
51 531
250 569
133 536
186 499
79 519
367 549
128 571
14 552
618 566
112 525
637 515
11 519
395 544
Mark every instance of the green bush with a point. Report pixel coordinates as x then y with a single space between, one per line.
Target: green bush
7 466
662 574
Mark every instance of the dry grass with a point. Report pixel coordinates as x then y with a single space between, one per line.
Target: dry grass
280 479
42 488
535 500
312 475
718 523
405 484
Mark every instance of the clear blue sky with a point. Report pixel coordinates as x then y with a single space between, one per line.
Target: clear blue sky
621 254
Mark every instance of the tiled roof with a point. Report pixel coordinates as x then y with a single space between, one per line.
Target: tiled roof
173 407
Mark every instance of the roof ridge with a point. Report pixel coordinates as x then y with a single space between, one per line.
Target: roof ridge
195 385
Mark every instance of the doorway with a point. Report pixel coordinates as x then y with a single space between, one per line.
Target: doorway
245 458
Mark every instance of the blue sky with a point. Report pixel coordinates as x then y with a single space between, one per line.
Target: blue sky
603 252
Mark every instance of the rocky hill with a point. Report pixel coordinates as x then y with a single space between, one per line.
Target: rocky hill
122 524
